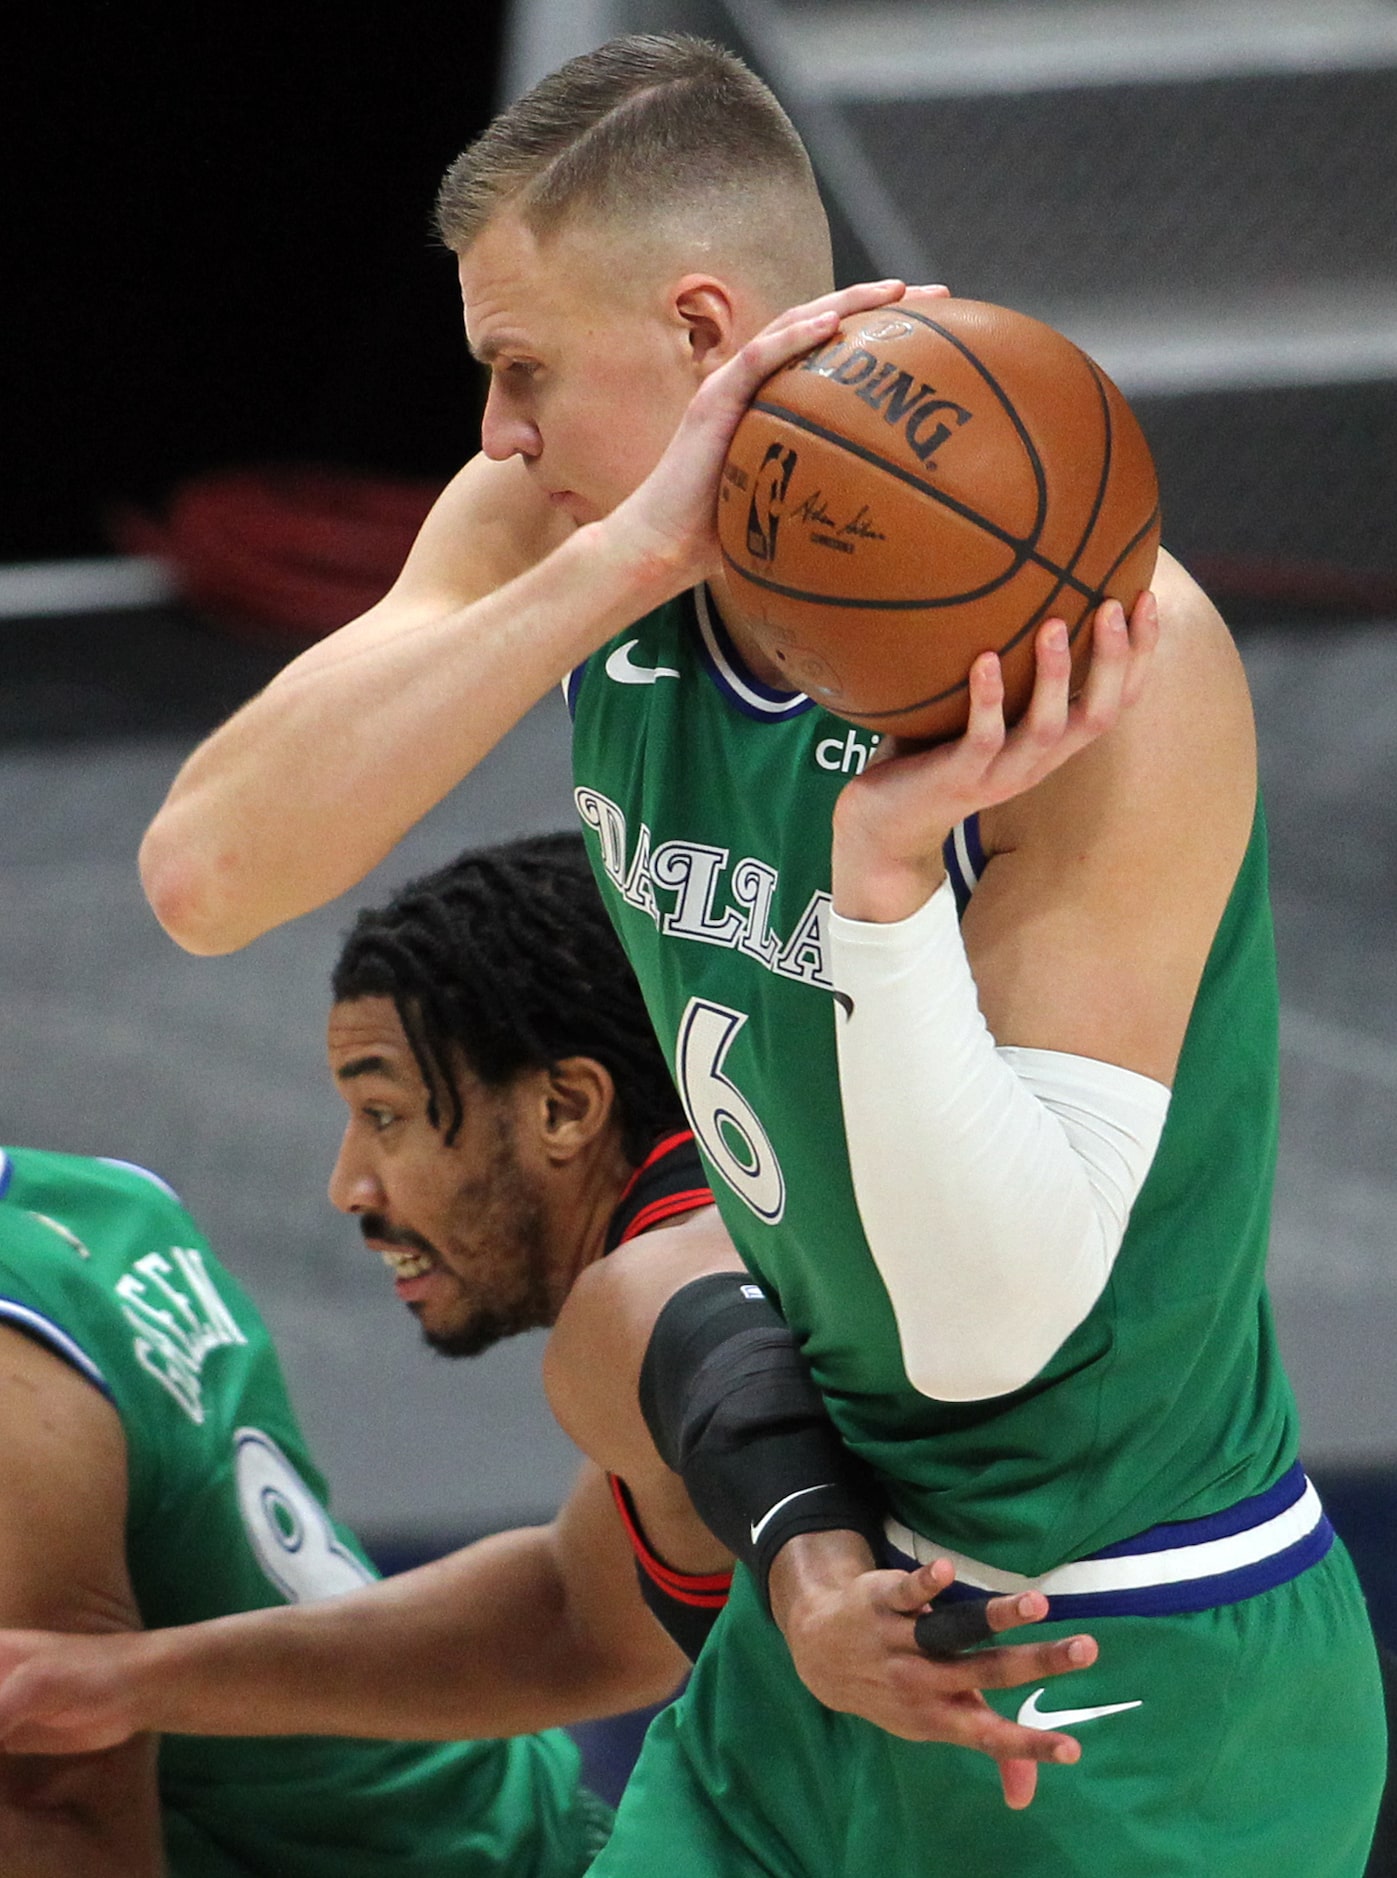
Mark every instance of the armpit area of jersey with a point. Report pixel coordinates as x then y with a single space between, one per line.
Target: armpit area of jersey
669 1182
686 1603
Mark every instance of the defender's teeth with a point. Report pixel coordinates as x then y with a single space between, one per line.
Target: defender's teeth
407 1264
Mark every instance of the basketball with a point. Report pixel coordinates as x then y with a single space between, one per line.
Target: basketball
932 483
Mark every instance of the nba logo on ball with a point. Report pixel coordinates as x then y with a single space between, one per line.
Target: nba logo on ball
943 482
768 500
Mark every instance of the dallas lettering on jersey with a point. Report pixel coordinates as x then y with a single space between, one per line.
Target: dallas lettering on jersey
176 1329
713 903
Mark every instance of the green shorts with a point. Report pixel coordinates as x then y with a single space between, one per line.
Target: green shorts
1255 1748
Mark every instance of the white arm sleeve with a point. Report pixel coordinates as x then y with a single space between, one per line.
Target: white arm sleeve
994 1185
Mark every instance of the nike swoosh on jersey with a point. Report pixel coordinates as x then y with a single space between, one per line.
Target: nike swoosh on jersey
620 667
1031 1716
772 1511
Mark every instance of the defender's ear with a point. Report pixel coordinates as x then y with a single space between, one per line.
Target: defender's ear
571 1105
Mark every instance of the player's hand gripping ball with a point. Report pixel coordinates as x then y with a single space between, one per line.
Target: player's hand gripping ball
927 486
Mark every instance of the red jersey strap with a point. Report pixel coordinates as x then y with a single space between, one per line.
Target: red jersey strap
670 1181
707 1590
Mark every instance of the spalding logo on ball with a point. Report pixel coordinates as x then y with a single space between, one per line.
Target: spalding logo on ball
927 486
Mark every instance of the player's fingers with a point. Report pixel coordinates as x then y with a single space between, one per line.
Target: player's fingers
1099 703
1024 1607
1008 1665
1019 1780
978 1726
1144 637
862 297
732 385
1040 730
917 1588
983 737
951 1629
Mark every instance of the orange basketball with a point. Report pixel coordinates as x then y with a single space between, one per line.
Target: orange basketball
933 483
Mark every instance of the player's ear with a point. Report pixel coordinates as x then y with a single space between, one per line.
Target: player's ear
704 309
575 1101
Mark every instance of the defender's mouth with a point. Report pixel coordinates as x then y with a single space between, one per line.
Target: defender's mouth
404 1262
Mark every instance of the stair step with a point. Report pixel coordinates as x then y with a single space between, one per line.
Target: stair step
917 49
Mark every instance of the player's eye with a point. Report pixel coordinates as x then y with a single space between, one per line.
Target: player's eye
378 1117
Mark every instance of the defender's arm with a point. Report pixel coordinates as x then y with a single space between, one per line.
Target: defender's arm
524 1630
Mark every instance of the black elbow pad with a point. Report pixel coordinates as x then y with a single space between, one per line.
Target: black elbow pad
731 1408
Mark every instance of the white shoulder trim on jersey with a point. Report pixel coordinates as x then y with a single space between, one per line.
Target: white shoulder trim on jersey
756 699
44 1328
994 1185
134 1167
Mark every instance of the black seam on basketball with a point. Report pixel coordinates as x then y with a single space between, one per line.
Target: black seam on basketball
1152 521
1022 545
904 710
876 606
1023 554
1025 436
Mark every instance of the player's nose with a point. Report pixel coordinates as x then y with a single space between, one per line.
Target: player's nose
506 432
353 1186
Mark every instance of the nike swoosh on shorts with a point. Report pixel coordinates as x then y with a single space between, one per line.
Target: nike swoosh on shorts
1031 1716
619 667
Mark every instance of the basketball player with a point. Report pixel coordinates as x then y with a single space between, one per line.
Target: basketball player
155 1474
512 1125
1013 1199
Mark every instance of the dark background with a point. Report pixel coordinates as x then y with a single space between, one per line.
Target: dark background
218 248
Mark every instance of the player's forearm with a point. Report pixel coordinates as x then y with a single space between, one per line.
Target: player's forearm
480 1643
315 780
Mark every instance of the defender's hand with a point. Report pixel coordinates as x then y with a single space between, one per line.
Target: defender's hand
850 1633
890 823
62 1694
670 519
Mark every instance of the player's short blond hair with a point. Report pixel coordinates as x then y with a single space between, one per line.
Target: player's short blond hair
658 131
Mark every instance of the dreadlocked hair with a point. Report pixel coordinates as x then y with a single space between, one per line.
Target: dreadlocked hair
506 959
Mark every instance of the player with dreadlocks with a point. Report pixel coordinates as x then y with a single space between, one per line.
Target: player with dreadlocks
507 958
516 1153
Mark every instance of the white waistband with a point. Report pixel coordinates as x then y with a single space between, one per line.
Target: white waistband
1136 1570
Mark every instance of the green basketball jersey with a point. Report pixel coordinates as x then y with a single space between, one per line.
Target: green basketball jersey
708 799
227 1513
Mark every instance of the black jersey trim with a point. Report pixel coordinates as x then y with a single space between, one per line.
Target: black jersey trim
670 1181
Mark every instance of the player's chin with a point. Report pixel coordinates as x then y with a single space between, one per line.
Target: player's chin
466 1333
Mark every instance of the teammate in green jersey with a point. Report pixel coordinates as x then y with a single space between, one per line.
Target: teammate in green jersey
1014 1203
155 1474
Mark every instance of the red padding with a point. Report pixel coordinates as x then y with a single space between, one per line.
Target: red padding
295 550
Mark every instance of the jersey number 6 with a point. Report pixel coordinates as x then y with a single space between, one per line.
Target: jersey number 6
723 1121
